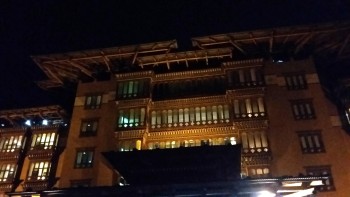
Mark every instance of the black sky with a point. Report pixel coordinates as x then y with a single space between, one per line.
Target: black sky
33 27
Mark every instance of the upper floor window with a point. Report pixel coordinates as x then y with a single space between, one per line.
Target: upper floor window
88 127
249 108
133 89
311 141
191 116
247 77
134 117
44 141
7 172
254 142
328 185
303 109
11 143
93 101
84 158
295 81
39 170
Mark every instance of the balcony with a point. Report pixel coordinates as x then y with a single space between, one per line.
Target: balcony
41 151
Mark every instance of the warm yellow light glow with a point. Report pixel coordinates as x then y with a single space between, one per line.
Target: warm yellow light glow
266 194
316 183
292 184
301 193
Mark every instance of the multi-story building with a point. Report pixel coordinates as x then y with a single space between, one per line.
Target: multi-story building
259 89
31 141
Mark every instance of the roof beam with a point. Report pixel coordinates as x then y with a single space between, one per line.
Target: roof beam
345 43
303 42
271 41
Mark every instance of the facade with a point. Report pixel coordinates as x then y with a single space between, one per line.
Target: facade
257 89
31 141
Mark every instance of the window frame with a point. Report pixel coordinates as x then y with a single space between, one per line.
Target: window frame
5 173
93 103
32 169
85 164
46 145
295 81
308 141
8 145
88 132
322 170
303 109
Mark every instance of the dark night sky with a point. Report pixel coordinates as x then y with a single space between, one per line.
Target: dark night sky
33 27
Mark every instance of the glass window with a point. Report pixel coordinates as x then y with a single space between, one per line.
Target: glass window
84 158
311 141
134 117
43 141
295 81
303 109
88 127
328 184
93 101
7 172
39 170
132 89
11 143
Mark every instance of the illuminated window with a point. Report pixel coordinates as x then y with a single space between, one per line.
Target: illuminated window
311 141
93 101
328 185
254 142
134 117
190 116
11 143
44 141
7 172
303 109
133 89
80 183
39 171
88 127
84 158
249 108
295 81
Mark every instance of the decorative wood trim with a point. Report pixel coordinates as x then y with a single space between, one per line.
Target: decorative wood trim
132 103
217 131
252 159
246 92
188 74
251 124
221 99
243 64
134 75
129 134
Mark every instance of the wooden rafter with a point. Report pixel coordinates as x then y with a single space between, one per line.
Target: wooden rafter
304 40
345 43
271 40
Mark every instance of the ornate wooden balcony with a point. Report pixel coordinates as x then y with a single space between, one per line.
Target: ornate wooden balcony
35 185
41 151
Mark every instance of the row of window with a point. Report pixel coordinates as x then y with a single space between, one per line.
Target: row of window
11 143
254 142
190 116
247 77
134 117
131 145
133 89
38 141
249 107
